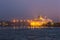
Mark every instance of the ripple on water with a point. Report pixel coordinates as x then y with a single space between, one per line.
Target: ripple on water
30 34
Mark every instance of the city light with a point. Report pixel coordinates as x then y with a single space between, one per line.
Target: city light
15 20
21 20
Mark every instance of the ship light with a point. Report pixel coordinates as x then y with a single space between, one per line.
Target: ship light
15 20
35 23
21 20
41 18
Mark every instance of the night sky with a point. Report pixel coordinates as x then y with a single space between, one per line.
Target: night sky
10 9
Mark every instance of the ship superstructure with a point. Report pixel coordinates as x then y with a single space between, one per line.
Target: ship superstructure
37 22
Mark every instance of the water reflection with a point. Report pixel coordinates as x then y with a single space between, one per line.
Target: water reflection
16 33
24 27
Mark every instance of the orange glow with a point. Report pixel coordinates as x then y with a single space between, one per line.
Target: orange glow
35 23
14 21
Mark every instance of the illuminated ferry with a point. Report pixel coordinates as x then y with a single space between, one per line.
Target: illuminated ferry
34 23
37 22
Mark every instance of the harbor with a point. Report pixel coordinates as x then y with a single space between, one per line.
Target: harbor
31 23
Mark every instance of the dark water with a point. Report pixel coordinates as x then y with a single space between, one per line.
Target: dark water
8 33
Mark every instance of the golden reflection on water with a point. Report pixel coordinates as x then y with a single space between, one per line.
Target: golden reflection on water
24 27
36 27
28 27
